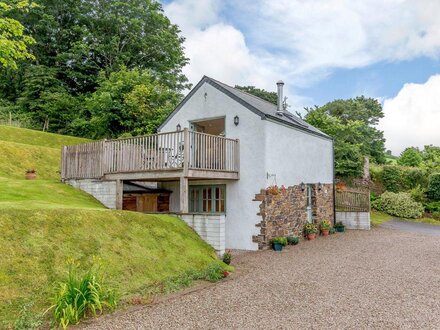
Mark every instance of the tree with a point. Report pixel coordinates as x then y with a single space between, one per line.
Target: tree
261 93
410 157
128 101
351 123
13 41
77 40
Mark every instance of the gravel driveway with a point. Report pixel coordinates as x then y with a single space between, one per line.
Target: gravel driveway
381 279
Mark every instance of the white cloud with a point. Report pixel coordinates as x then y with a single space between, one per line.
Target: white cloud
412 118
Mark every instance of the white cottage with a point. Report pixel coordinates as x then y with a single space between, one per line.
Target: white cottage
215 156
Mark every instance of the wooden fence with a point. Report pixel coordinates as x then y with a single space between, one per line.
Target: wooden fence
352 201
162 151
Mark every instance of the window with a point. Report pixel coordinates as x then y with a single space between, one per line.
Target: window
207 199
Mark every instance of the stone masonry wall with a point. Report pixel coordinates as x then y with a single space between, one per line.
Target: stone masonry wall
285 213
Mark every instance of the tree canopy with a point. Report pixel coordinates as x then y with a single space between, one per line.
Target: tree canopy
261 93
352 124
14 42
410 157
79 44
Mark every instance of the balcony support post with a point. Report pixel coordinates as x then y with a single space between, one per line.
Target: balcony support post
183 194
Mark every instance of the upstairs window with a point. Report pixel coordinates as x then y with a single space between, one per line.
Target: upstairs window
207 199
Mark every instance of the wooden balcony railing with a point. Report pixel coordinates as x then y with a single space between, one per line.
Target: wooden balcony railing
164 151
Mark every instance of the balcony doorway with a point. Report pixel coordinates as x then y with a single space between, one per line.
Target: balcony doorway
215 126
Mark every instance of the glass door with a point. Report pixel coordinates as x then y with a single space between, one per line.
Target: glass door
309 204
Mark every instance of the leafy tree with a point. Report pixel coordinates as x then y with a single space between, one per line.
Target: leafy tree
434 187
261 93
76 41
13 41
410 157
351 123
129 101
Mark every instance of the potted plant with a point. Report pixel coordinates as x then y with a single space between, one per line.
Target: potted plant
292 240
310 230
227 257
332 230
324 226
278 243
31 174
339 227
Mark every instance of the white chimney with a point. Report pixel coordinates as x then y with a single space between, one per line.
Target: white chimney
280 108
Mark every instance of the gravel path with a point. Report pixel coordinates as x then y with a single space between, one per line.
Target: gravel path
378 279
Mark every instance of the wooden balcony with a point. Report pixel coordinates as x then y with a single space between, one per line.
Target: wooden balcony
158 157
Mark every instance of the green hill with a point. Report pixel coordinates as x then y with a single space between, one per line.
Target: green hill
44 223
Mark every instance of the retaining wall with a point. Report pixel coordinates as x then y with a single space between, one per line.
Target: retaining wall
354 220
103 191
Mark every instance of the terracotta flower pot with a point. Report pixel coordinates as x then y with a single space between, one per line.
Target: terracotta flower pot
30 176
325 232
311 237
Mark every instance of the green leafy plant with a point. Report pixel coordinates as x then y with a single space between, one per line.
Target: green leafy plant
325 225
339 224
280 240
310 228
418 194
214 272
81 295
433 191
292 240
332 231
28 320
392 177
399 204
227 257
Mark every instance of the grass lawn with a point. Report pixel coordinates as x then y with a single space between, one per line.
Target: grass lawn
377 218
138 253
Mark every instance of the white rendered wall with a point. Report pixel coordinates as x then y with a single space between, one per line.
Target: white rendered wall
103 191
211 228
240 210
294 156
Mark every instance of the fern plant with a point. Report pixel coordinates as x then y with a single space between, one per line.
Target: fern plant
80 296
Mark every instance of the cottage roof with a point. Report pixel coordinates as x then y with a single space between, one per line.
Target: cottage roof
263 108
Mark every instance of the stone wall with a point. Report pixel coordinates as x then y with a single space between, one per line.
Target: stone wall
285 212
103 191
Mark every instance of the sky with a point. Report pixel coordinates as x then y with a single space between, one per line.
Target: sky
324 50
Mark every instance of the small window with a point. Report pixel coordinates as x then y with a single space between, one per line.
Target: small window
207 199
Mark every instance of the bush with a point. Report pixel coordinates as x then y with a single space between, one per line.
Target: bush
392 177
413 177
432 207
433 191
399 204
418 194
280 240
80 296
292 240
214 272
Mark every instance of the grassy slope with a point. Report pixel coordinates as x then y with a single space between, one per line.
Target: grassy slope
377 218
43 223
136 251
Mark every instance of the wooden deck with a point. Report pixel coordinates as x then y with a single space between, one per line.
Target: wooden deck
158 157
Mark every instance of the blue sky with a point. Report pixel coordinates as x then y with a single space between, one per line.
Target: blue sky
324 50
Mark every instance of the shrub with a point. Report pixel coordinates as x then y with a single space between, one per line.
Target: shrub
292 240
433 191
214 272
418 194
280 240
392 177
227 257
400 205
436 215
413 177
432 207
80 296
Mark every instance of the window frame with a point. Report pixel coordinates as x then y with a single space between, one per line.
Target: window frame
201 200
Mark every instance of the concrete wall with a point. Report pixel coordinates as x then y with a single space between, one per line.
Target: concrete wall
103 191
210 228
354 220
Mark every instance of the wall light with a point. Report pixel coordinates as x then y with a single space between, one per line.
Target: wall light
236 120
303 186
319 185
178 127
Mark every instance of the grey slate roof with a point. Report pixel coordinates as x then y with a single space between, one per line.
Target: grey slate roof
263 108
